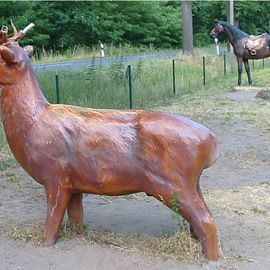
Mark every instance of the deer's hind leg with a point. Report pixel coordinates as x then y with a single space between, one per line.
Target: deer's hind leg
195 211
192 230
193 208
75 211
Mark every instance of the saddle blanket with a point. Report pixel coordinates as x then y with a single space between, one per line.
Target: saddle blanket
256 42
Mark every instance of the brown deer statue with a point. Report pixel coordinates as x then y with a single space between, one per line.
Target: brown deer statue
73 150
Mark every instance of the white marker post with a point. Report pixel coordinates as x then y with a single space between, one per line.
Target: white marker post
102 50
217 46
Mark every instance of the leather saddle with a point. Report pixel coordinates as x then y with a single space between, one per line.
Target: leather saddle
255 43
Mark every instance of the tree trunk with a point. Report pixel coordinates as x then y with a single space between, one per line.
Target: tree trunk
187 26
230 19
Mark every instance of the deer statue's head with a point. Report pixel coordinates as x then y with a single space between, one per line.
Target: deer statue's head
13 58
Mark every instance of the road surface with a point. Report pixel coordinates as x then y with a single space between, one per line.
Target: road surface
79 64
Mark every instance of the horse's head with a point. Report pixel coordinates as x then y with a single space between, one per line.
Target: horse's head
218 28
13 58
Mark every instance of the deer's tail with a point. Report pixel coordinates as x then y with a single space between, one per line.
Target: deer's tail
213 151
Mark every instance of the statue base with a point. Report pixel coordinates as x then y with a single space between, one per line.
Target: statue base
250 88
264 94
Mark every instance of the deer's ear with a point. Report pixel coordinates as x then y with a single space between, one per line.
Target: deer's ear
29 50
8 55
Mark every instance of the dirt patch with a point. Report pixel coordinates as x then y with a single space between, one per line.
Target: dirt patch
236 189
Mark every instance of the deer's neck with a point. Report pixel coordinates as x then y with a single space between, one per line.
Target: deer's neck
21 104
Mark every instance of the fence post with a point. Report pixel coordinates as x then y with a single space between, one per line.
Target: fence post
203 70
253 66
173 68
225 64
130 87
57 87
263 62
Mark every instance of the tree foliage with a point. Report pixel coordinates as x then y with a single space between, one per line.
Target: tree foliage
61 25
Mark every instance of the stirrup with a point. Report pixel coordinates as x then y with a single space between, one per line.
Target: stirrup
253 52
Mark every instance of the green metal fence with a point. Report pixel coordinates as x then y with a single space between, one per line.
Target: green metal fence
139 85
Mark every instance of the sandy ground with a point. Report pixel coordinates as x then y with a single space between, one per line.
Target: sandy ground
236 189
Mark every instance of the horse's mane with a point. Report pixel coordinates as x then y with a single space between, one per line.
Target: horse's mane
236 32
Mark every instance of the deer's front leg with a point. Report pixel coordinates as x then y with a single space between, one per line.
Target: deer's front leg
57 201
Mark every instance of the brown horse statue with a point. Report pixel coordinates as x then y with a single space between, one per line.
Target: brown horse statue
245 46
73 150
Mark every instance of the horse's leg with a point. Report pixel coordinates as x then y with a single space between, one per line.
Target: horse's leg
75 211
57 202
240 63
248 71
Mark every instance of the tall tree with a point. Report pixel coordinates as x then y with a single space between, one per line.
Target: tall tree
187 26
61 26
230 19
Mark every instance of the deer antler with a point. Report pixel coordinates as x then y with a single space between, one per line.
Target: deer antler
27 28
3 34
19 35
14 28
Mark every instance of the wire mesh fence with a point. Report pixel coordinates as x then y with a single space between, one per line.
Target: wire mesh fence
140 85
